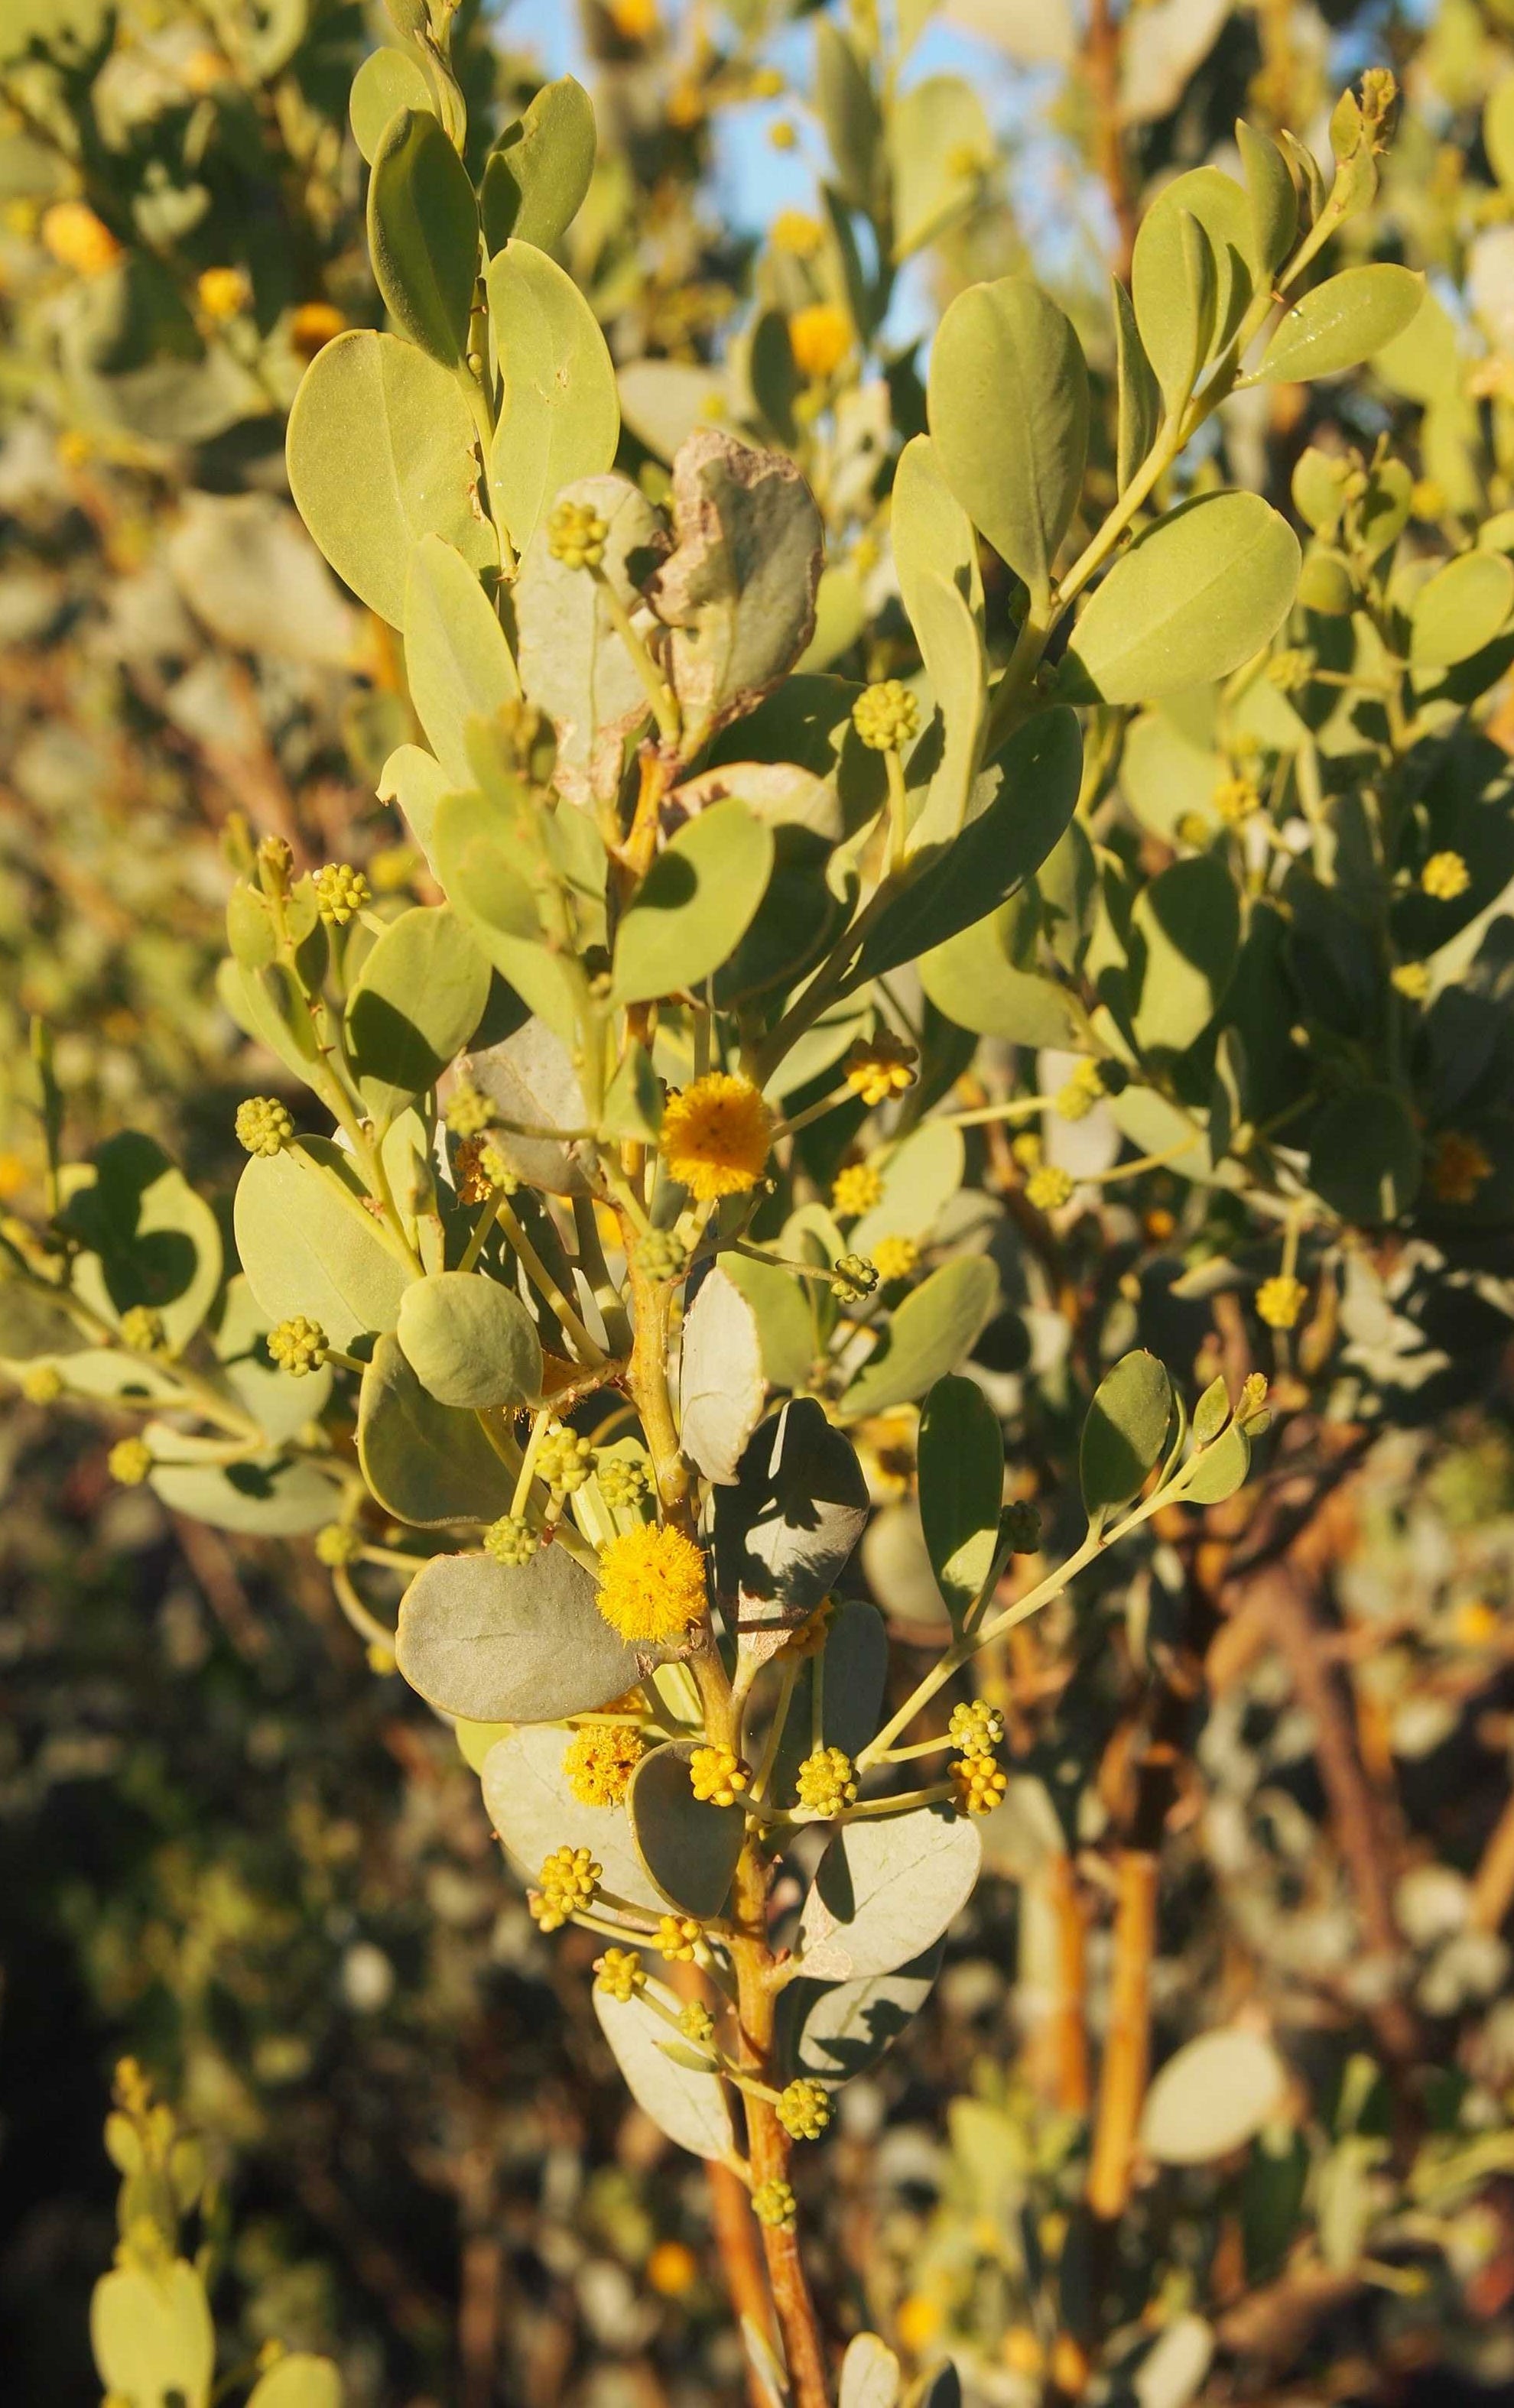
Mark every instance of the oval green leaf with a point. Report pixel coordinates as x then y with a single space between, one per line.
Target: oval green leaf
1125 1431
418 996
510 1643
694 904
423 226
381 451
426 1463
687 1847
458 662
470 1342
559 413
1342 321
1461 608
304 1250
1201 591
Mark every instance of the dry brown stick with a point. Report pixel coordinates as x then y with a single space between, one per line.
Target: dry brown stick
1493 1887
741 2262
1127 2055
1101 67
1354 1812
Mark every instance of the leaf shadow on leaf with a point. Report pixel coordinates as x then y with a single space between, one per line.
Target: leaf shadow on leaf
883 2012
139 1266
785 1529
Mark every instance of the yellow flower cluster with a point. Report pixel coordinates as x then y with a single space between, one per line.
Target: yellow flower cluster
565 1461
76 238
340 893
263 1125
773 2203
803 2110
1445 876
651 1584
718 1776
976 1727
129 1461
879 1067
1084 1089
825 1782
799 234
223 292
1280 1300
678 1937
886 717
896 1258
297 1346
856 1189
980 1783
312 325
820 338
1049 1188
468 1111
716 1136
42 1383
697 2023
1235 799
1412 979
599 1761
576 535
568 1881
141 1330
619 1971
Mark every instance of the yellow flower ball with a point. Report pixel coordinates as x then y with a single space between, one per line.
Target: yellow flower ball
1280 1300
879 1067
223 293
820 338
716 1136
896 1258
796 232
856 1190
671 2270
1445 876
312 325
651 1584
76 238
599 1761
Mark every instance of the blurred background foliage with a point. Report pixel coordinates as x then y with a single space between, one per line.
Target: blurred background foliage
225 1845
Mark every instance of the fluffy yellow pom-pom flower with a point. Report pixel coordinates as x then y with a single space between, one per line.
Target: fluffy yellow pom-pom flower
820 338
856 1189
1445 876
1280 1300
716 1136
599 1761
651 1584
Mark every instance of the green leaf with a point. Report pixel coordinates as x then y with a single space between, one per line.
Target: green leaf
854 1675
537 176
1342 321
387 81
738 588
152 2336
1461 608
457 663
940 148
1212 2097
1138 397
920 1176
305 1250
265 1495
689 2108
1498 130
786 1526
1270 199
298 2381
572 662
870 2375
1184 942
1197 595
932 535
721 1379
928 1335
145 1237
381 451
502 1643
831 2031
530 1077
33 1326
694 904
1365 1156
423 228
559 413
962 1481
1166 778
418 996
1009 416
411 779
533 1811
848 111
1189 277
1212 1412
974 979
426 1463
1125 1432
949 637
482 868
687 1847
279 1403
786 1343
885 1888
1032 787
1223 1469
470 1342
